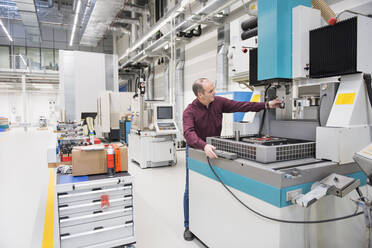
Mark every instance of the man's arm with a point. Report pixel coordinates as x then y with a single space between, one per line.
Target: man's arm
230 106
192 138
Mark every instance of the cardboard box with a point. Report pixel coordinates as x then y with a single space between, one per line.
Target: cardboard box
124 158
88 162
94 162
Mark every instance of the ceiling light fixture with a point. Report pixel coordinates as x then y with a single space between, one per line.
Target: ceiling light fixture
6 31
75 22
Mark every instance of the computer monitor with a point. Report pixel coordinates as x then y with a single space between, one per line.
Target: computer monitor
84 115
164 112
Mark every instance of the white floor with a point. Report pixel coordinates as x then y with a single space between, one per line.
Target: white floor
24 181
158 195
158 205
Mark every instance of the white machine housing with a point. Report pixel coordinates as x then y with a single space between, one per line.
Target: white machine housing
155 144
111 106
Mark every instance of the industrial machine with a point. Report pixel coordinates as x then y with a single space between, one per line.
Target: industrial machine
111 107
153 133
285 174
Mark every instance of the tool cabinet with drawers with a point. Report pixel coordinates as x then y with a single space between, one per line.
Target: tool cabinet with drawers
94 211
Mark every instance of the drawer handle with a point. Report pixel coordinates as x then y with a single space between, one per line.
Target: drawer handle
98 228
95 189
63 193
65 234
96 200
98 212
64 217
63 206
129 222
128 206
128 184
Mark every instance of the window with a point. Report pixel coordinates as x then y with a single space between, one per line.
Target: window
4 57
33 54
47 59
20 61
56 59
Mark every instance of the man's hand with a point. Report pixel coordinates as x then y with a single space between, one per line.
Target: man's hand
275 103
208 149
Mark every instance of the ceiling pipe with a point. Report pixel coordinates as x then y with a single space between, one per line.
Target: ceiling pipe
120 29
134 21
205 11
136 8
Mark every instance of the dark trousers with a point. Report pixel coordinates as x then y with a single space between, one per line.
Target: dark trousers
186 194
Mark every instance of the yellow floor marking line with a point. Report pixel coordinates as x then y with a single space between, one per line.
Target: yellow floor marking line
49 214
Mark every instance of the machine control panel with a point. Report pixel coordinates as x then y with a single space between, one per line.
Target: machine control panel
166 126
164 119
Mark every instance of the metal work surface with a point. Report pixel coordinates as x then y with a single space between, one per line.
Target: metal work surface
279 174
264 149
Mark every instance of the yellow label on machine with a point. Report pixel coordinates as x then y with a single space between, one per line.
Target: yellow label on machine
368 150
345 98
256 98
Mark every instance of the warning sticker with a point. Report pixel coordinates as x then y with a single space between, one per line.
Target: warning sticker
368 150
345 98
256 98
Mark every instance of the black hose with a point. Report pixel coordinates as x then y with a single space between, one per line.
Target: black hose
275 219
264 113
249 24
249 34
367 80
320 105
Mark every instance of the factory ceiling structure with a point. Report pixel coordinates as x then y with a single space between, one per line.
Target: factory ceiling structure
85 22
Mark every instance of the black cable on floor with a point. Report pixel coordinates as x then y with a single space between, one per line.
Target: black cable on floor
274 219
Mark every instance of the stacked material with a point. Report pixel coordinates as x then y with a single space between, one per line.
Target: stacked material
4 124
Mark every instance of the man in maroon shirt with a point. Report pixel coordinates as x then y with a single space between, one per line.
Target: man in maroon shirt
203 118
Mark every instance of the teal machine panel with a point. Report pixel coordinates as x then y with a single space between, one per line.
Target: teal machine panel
260 190
275 38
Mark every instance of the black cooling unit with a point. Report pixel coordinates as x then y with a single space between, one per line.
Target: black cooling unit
333 49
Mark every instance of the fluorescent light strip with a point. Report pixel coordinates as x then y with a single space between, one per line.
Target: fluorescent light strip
75 22
6 31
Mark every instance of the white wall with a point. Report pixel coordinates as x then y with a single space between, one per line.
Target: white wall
37 105
200 61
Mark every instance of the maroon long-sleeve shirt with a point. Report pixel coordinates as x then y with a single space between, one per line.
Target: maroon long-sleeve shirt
200 122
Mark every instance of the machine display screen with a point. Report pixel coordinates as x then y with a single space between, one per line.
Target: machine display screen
164 112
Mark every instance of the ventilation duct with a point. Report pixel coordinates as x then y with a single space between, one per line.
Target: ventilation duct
134 21
120 29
